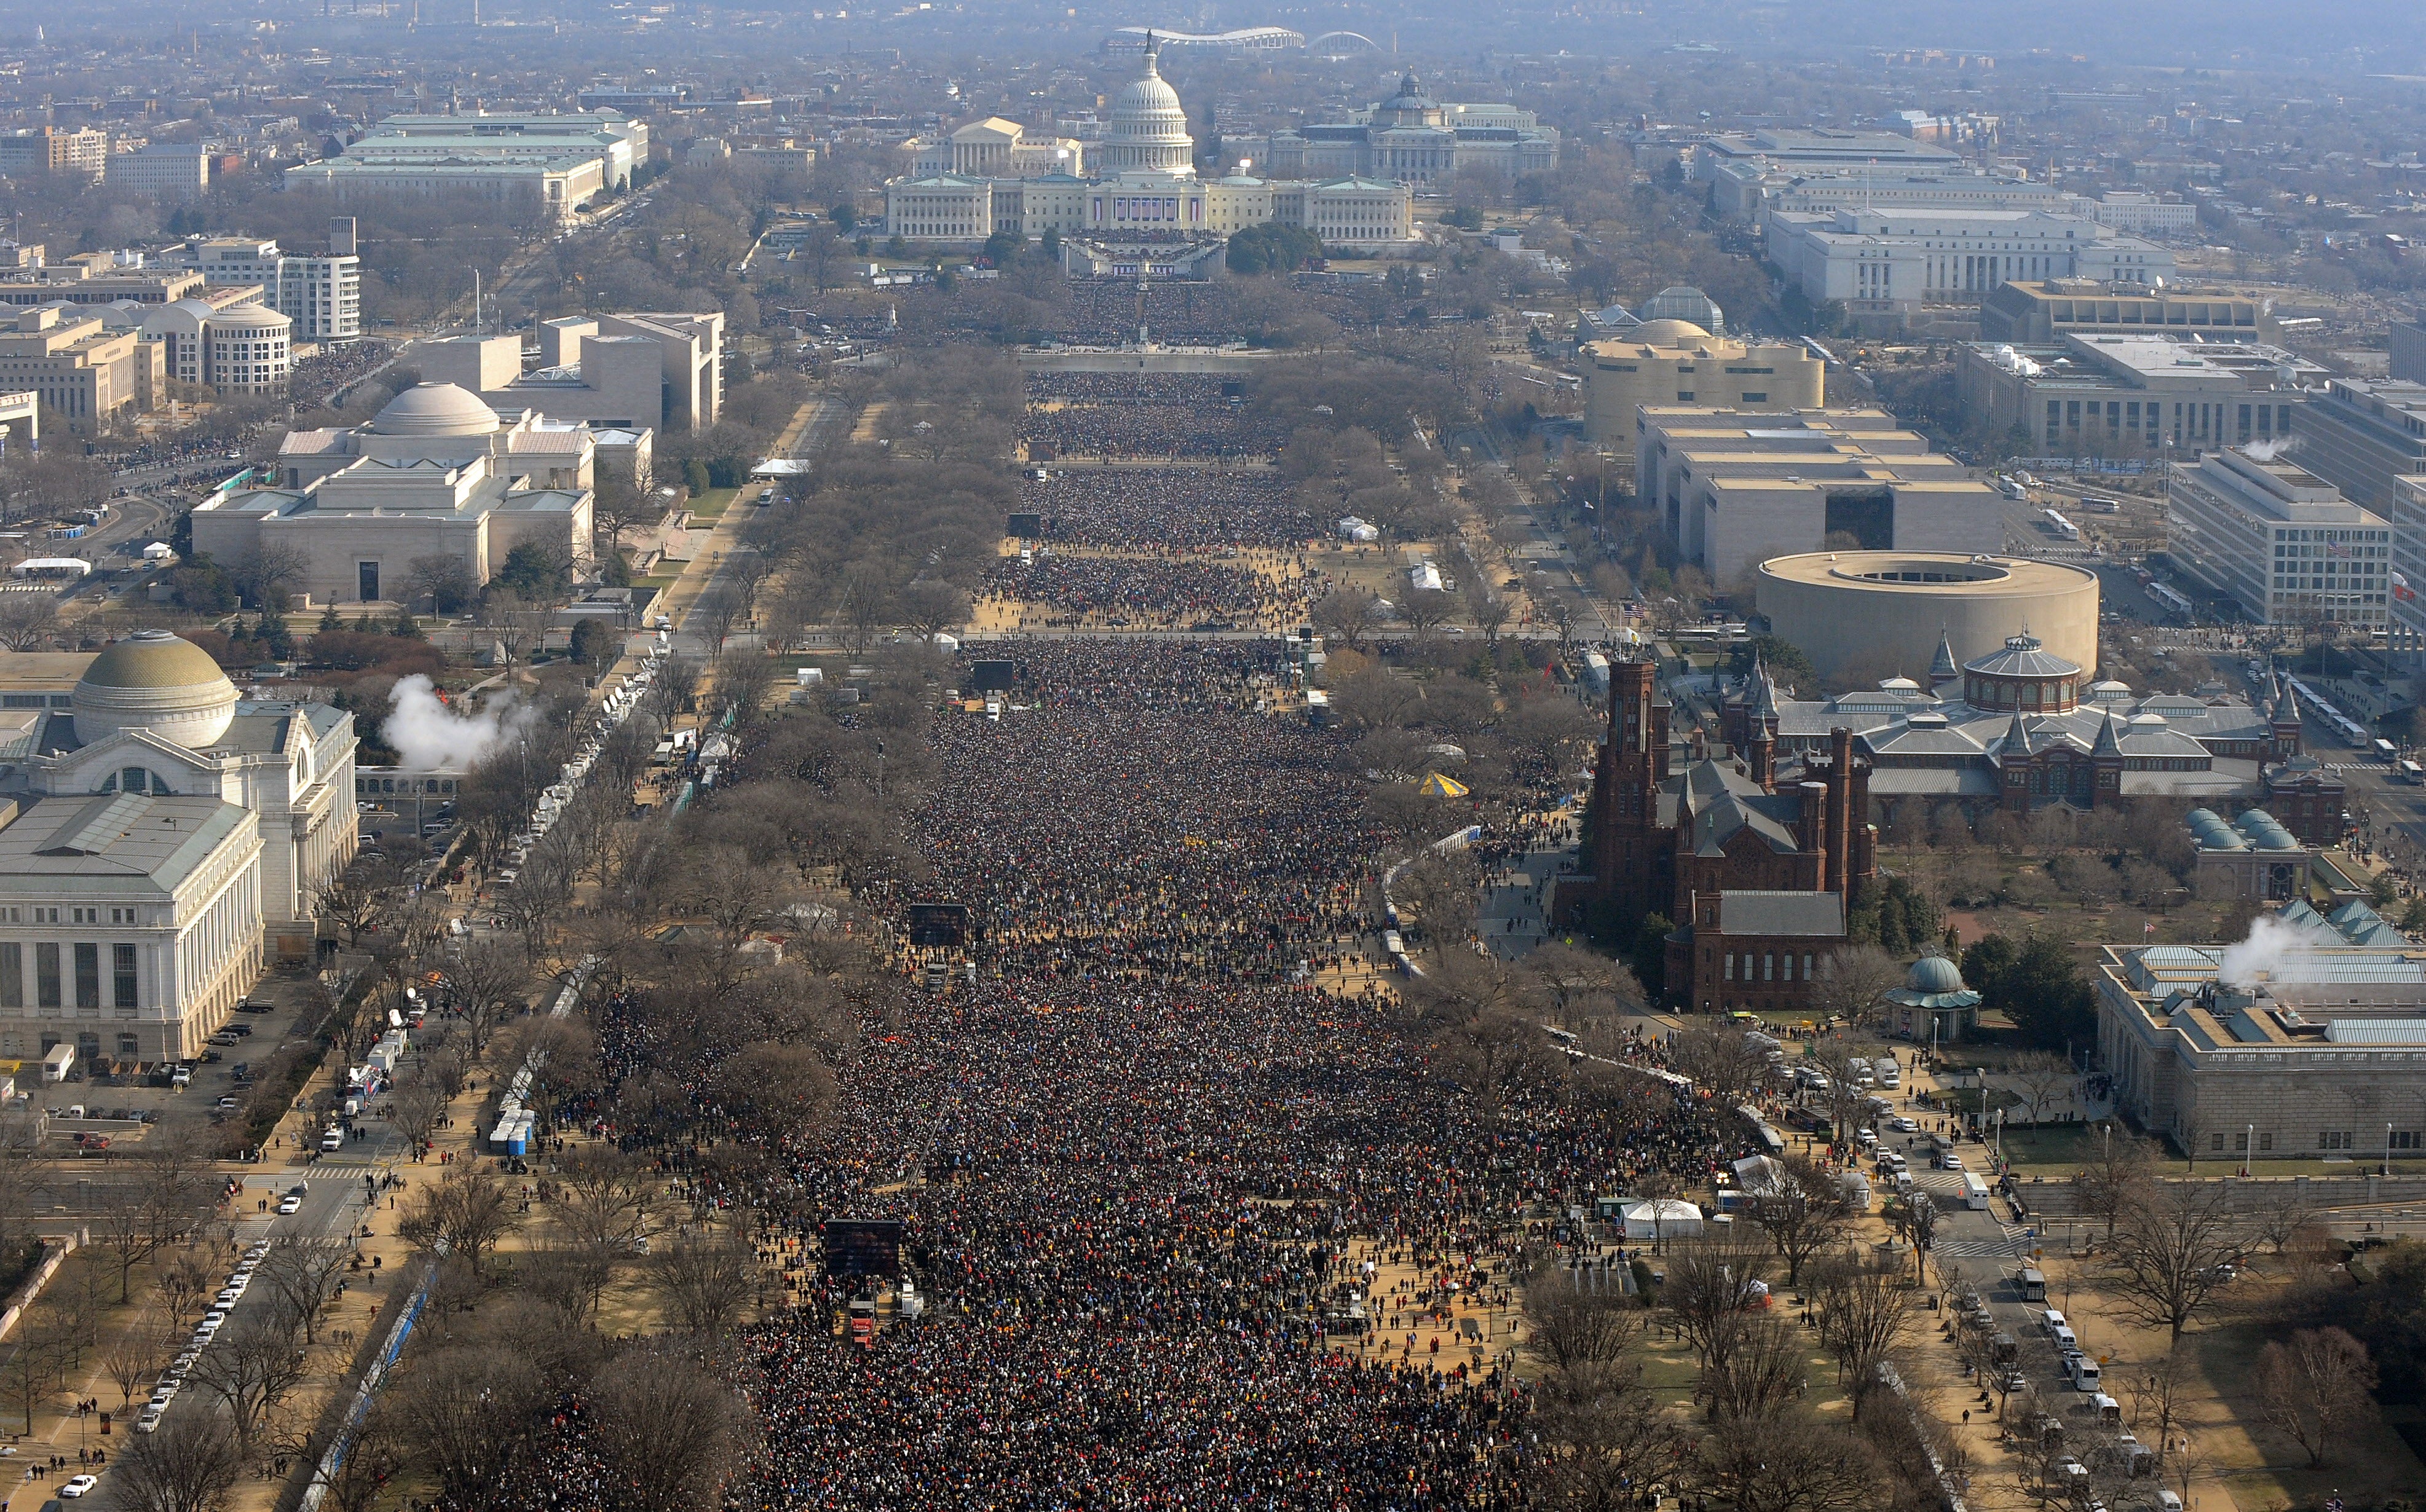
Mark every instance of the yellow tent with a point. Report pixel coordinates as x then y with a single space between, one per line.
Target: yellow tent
1436 786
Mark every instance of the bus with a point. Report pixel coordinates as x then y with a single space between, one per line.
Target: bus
2064 529
2100 503
2384 749
2409 772
1975 1191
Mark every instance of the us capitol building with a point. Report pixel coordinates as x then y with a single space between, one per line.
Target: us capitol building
987 177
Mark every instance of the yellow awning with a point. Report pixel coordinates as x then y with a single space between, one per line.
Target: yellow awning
1436 786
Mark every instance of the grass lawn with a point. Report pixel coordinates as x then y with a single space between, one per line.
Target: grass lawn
707 509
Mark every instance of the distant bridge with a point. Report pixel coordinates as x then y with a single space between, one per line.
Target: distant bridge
1335 43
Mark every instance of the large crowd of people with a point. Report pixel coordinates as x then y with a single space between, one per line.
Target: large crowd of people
1097 592
1144 414
1176 509
1144 1135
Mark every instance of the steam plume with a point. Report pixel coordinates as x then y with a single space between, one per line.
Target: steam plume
2273 947
430 736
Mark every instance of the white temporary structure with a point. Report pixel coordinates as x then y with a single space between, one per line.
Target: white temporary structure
1664 1218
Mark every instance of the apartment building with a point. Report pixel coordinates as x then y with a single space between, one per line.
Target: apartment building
321 295
41 152
2281 542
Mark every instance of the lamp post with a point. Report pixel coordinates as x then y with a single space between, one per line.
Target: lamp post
2249 1151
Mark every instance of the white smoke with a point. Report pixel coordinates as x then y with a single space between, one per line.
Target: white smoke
2262 451
2274 946
430 736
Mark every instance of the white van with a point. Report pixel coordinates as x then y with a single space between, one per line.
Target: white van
2084 1373
1975 1191
1889 1076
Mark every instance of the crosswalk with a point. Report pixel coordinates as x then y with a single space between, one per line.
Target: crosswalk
2013 1243
2357 767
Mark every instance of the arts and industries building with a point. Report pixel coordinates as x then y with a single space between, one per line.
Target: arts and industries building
555 163
2018 729
2282 544
2321 1053
1140 182
434 473
1671 362
646 371
1735 489
2117 394
1886 266
157 834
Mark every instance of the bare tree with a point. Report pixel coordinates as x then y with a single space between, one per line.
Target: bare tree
2164 1262
27 620
465 1210
188 1465
1802 1211
1864 1311
1788 1462
669 1432
135 1357
1347 614
417 1108
443 579
705 1281
1719 1060
2158 1394
2039 1076
30 1371
2315 1387
485 984
1573 1328
467 1409
251 1366
2115 1178
1854 980
1759 1368
1603 1439
1426 608
184 1280
299 1272
712 614
1713 1281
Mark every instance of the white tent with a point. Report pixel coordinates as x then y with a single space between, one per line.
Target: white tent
1759 1176
158 550
1666 1218
55 564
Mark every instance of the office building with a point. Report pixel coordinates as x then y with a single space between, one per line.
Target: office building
1763 190
79 366
2364 436
2315 1055
2140 213
1737 488
2406 358
2129 394
44 152
641 372
1414 138
1885 265
1787 150
225 338
1144 184
171 170
435 473
2036 311
2282 544
322 295
91 278
553 165
1671 362
154 829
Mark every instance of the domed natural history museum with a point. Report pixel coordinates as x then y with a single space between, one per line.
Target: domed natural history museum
160 835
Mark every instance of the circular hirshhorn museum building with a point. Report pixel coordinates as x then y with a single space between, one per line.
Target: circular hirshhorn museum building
1883 612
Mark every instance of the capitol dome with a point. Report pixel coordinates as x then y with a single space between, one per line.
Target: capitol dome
156 682
1148 129
435 410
